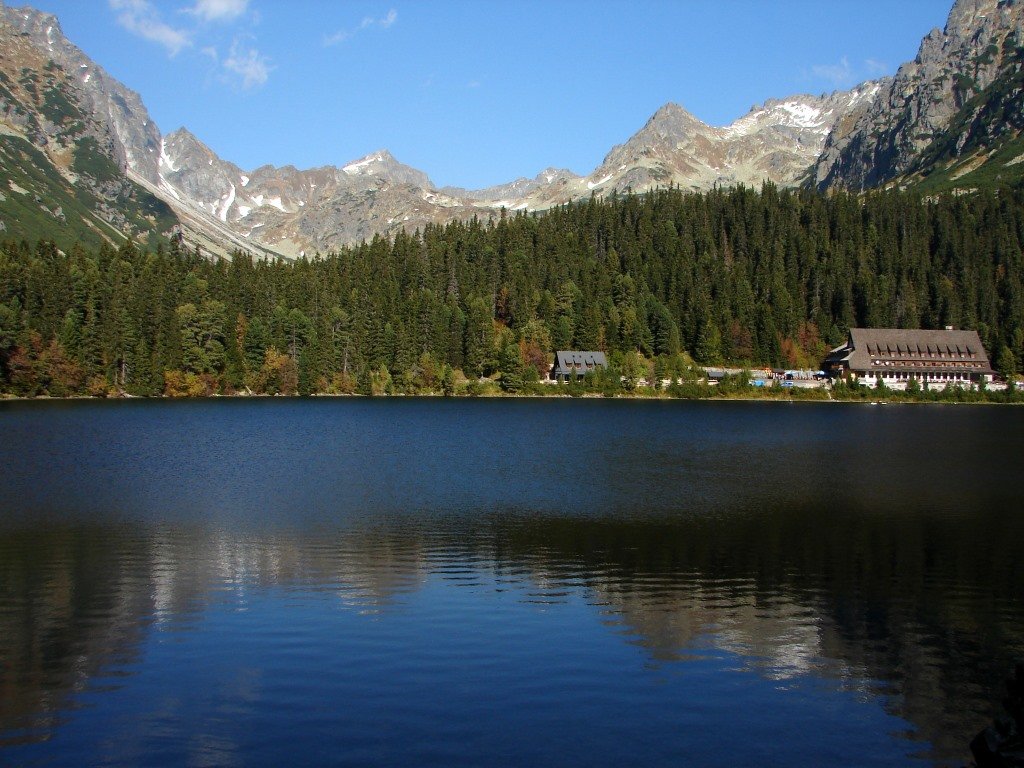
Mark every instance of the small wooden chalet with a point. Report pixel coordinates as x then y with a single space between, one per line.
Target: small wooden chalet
574 364
934 358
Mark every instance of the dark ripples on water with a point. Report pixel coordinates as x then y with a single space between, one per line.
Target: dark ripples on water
527 583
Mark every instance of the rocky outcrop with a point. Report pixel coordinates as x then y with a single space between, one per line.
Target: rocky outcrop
59 142
297 211
883 139
136 137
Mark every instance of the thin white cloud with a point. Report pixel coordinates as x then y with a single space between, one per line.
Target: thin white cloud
218 10
342 35
249 67
876 67
140 18
839 75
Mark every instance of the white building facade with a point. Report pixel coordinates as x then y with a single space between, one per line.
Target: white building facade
934 359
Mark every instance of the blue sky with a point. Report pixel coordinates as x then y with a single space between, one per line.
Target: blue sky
475 93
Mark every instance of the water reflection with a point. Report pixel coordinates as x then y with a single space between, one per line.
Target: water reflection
846 559
891 608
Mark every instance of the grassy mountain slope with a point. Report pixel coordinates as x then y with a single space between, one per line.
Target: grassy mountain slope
37 201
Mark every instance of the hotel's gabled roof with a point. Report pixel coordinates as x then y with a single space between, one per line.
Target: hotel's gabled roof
870 348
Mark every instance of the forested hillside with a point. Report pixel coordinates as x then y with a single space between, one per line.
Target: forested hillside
741 276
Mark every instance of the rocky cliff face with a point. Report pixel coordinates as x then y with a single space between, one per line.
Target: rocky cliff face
136 137
295 211
884 138
776 141
60 151
983 144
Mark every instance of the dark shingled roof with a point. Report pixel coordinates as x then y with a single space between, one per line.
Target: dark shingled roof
577 363
914 350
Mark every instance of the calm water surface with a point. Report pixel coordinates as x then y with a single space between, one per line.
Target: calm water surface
530 583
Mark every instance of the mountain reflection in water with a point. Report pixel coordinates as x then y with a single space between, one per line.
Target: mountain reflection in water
822 547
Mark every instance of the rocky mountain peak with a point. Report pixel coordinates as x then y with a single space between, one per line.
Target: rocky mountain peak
43 28
672 112
671 122
383 164
968 15
800 112
550 175
370 163
915 107
183 141
667 129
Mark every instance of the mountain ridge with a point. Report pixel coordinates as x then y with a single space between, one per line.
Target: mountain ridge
290 211
873 134
776 141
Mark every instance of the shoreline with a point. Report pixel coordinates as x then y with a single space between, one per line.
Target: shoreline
509 396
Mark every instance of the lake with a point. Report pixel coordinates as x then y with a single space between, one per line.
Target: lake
522 582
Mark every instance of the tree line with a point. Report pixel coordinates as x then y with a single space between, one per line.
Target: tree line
738 276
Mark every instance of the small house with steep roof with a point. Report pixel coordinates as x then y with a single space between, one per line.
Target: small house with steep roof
571 364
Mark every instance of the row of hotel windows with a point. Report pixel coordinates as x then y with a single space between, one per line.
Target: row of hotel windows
901 376
925 363
889 352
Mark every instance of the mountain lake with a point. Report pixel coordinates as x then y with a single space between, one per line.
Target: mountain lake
430 582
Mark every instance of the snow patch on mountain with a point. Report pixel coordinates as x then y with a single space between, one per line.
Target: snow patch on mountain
803 115
225 204
364 165
165 159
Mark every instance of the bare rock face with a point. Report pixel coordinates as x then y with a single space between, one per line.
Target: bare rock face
191 172
882 140
296 211
776 141
59 134
137 139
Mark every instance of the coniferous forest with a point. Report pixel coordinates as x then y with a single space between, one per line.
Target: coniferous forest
739 276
